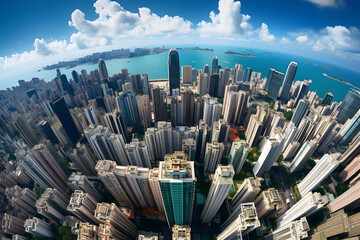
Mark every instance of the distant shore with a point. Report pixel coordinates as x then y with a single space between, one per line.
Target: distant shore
339 80
239 54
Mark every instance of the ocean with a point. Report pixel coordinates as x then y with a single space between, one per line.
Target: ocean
156 67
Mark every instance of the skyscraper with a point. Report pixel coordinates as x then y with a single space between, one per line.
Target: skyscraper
83 206
177 184
327 98
349 130
288 80
203 84
102 70
276 79
248 74
181 232
186 74
295 230
322 170
174 70
213 155
214 65
238 154
212 111
221 185
126 103
303 155
25 130
349 200
268 203
61 110
48 132
158 104
300 112
349 106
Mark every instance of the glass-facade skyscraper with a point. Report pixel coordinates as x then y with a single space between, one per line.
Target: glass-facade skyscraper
274 82
214 65
177 184
349 106
174 70
288 80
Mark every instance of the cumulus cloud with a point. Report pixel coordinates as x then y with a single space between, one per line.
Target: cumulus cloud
264 33
228 22
302 39
284 40
328 3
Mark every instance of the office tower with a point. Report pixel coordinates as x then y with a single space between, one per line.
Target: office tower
288 80
245 222
246 193
238 154
303 155
106 169
255 126
174 70
126 103
213 155
159 105
276 79
25 130
102 70
116 123
155 188
87 231
220 131
336 225
60 133
47 108
22 199
61 110
52 205
114 222
248 74
303 90
143 102
82 205
177 111
224 76
48 132
207 69
38 227
177 184
189 148
234 106
351 170
300 112
78 181
84 159
212 111
135 181
138 153
268 203
308 205
322 170
12 225
269 155
203 84
214 65
349 130
349 106
181 232
75 76
295 230
213 85
327 98
92 112
65 85
238 74
221 185
186 74
187 97
348 201
53 165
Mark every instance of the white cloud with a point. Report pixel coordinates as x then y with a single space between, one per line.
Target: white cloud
302 39
285 40
229 21
264 33
328 3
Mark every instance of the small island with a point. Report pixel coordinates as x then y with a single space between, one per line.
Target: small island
323 67
239 54
196 49
339 80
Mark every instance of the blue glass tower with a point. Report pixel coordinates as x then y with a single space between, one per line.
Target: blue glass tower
288 80
349 106
300 112
274 81
127 103
214 65
174 69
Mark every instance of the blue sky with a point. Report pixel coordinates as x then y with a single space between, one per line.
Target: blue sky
45 31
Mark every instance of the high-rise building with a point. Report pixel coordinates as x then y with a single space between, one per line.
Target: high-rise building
126 103
214 85
238 154
303 155
327 98
25 130
65 85
248 74
38 227
214 65
61 110
269 155
155 188
114 222
116 123
255 126
102 70
143 102
349 106
48 132
138 153
354 221
84 159
349 200
207 69
322 170
268 203
53 205
212 111
351 170
221 185
181 232
213 155
78 181
203 84
186 74
300 112
220 131
174 70
83 206
88 231
12 225
276 79
189 147
308 205
177 184
22 199
288 80
295 230
349 130
187 97
246 221
351 152
337 225
159 104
